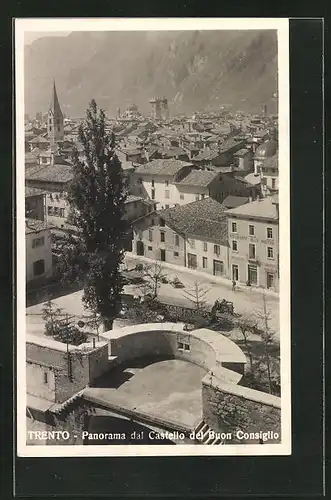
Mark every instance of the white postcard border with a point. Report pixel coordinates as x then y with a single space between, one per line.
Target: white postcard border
156 24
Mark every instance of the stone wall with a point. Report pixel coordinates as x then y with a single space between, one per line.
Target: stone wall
36 385
163 343
240 410
70 423
67 371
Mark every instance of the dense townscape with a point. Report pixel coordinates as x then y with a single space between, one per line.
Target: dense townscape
201 272
207 182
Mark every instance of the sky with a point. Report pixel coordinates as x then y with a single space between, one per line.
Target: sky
31 36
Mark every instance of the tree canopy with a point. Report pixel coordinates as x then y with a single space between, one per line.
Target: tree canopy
97 199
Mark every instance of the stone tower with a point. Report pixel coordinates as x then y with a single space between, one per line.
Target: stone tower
160 109
165 109
55 119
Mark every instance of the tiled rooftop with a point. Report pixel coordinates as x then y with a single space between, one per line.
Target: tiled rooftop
50 173
206 155
32 191
198 178
162 167
235 201
204 220
264 208
34 226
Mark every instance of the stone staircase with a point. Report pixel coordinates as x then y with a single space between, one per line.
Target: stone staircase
204 434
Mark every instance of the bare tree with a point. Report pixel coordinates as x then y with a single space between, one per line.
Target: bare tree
153 276
246 325
267 336
50 314
197 294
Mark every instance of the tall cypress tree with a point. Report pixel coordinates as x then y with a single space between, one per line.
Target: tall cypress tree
97 198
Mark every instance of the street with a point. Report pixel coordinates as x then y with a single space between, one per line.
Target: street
246 301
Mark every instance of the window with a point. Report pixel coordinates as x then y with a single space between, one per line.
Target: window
49 210
38 242
269 232
204 262
234 245
176 240
183 346
270 252
162 223
167 193
150 249
251 251
58 129
45 378
273 183
176 254
56 211
234 227
51 197
235 272
162 236
61 212
181 196
252 275
218 268
167 183
39 267
150 235
153 222
217 249
191 261
192 243
153 194
251 230
152 183
205 246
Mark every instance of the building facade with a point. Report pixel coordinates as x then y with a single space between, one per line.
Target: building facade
192 236
254 243
38 250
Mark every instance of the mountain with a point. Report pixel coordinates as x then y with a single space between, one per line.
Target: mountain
196 70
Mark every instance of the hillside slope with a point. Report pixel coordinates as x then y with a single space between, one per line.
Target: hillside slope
195 69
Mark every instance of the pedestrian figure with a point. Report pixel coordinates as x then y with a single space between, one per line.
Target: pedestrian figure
233 286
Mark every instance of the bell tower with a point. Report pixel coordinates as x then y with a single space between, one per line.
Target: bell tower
55 119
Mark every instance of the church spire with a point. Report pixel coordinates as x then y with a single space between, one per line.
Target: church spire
55 105
55 125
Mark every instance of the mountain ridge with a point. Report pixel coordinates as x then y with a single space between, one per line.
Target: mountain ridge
195 70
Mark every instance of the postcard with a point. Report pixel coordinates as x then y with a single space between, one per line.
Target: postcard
153 237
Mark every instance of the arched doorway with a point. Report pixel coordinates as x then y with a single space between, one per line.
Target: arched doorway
140 248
